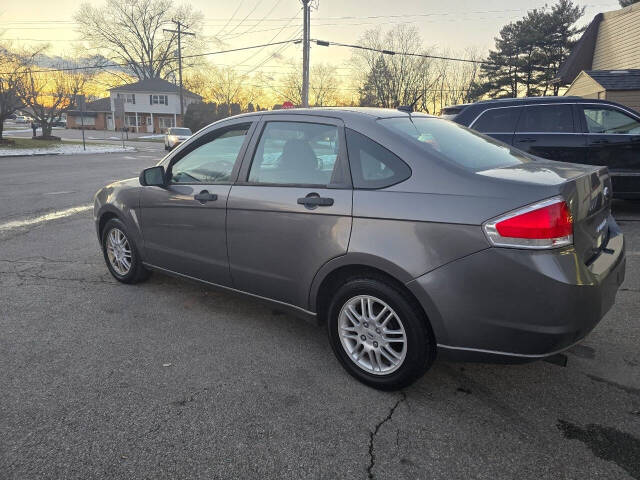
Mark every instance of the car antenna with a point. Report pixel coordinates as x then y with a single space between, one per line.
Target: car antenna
409 108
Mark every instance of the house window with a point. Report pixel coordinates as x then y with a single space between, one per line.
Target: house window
130 121
158 100
165 122
128 97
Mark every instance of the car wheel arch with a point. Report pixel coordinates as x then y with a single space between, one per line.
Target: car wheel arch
337 271
104 218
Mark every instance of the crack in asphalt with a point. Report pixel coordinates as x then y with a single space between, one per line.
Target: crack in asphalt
373 433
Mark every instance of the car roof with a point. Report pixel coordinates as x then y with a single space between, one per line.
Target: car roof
528 101
340 112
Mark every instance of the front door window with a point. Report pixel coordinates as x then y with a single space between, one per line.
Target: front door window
211 162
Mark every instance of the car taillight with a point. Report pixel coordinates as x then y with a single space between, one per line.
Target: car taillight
546 224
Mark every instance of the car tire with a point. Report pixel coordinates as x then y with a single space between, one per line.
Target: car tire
166 147
121 253
413 351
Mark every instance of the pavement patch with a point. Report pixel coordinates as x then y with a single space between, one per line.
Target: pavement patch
607 443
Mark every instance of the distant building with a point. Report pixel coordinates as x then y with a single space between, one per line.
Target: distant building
150 105
605 63
622 86
94 116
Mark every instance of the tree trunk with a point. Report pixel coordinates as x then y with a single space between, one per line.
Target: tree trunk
46 129
1 128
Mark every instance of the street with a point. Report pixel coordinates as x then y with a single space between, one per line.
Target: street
171 379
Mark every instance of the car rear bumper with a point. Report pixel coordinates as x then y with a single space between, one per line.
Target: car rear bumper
511 305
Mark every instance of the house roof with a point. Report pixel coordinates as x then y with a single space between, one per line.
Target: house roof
152 85
581 56
616 79
100 105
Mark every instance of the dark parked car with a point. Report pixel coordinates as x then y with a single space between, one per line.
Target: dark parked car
404 234
567 129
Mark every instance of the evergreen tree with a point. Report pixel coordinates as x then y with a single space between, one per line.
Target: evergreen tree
529 52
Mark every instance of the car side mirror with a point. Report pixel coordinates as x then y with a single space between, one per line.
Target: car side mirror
152 177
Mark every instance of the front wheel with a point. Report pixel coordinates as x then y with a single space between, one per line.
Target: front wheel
121 254
379 334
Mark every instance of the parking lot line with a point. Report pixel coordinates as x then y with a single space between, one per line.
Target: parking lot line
44 218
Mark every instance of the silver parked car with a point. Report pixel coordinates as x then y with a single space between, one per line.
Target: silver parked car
175 136
406 235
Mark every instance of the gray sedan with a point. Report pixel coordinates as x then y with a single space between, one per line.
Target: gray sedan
407 235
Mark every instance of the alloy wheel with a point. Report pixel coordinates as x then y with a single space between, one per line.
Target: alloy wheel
119 251
372 335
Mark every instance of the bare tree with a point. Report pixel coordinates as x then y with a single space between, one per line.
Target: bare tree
9 74
130 32
324 85
391 80
49 94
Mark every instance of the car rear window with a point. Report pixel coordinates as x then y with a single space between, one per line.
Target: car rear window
180 131
455 143
497 120
449 113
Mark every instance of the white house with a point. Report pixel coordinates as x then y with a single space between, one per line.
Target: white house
150 105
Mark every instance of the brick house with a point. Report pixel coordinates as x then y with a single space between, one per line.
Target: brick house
95 116
150 105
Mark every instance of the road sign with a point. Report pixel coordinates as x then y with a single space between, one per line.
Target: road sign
287 105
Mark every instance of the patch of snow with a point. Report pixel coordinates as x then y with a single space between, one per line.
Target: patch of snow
150 136
64 149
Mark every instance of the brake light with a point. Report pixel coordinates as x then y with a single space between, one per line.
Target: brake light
547 224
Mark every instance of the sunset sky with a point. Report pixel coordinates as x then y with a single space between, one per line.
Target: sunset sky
446 26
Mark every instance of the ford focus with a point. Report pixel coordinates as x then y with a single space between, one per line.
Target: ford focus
406 235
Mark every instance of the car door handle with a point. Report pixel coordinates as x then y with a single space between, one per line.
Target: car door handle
315 201
526 140
599 142
204 196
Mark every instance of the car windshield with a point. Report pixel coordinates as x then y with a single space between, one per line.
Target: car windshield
180 131
455 143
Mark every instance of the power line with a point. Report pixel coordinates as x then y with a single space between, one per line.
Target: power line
324 43
242 21
230 19
195 55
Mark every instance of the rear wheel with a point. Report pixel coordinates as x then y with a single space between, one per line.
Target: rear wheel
121 254
379 334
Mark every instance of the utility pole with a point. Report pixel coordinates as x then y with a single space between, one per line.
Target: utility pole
180 32
306 41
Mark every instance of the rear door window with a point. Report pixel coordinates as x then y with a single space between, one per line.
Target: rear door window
546 119
497 120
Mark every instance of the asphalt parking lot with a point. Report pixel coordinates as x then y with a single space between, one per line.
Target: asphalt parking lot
170 379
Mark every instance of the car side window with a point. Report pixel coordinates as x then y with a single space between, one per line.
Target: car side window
372 165
497 120
296 153
546 119
213 161
609 121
